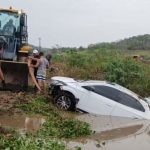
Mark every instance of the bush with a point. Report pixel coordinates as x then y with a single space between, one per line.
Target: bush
128 73
108 64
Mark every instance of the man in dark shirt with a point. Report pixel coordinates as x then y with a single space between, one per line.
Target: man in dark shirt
49 57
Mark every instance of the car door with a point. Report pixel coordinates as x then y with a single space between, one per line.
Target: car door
95 102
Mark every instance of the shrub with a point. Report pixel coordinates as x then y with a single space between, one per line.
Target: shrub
128 73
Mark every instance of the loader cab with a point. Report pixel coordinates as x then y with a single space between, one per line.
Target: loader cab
13 33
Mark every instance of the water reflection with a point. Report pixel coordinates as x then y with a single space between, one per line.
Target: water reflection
22 123
114 133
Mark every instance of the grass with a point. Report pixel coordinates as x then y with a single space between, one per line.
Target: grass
51 133
64 128
107 64
55 126
30 143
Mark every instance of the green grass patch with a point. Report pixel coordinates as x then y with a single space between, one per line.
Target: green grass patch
111 65
52 132
55 126
39 105
64 128
18 142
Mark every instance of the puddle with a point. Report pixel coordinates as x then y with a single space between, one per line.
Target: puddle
114 133
22 123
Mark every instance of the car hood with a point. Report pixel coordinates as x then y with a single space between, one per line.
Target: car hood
80 82
72 81
64 79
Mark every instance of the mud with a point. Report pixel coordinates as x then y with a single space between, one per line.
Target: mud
12 117
8 101
22 123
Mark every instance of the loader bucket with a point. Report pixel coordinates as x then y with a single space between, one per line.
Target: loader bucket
15 74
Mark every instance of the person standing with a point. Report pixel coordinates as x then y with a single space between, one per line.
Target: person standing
41 72
35 55
49 58
42 64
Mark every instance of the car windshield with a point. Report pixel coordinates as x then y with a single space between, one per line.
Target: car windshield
9 23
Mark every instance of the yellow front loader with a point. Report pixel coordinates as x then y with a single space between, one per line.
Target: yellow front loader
14 48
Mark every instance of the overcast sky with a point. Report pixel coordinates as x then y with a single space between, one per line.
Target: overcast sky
82 22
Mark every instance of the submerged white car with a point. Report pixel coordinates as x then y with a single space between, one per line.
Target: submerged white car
97 97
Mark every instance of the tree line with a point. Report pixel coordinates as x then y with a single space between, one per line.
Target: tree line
140 42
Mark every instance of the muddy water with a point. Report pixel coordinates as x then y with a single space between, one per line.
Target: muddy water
22 123
111 133
114 133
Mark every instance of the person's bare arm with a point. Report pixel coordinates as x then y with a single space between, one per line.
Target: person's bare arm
1 74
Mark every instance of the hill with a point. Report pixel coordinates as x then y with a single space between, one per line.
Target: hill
140 42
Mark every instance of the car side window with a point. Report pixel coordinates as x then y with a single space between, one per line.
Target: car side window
130 101
105 91
116 95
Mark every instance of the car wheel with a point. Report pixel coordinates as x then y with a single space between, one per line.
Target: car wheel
65 101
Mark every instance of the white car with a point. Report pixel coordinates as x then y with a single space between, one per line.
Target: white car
97 97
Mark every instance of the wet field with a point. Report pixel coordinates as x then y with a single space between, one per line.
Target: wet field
110 133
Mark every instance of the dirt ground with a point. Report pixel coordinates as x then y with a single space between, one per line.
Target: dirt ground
8 101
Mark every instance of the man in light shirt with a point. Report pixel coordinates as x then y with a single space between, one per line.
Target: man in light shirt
42 65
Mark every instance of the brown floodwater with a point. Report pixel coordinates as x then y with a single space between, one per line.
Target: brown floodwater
110 133
114 133
22 123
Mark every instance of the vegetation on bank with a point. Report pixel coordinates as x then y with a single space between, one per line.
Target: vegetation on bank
55 125
29 142
106 64
51 133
